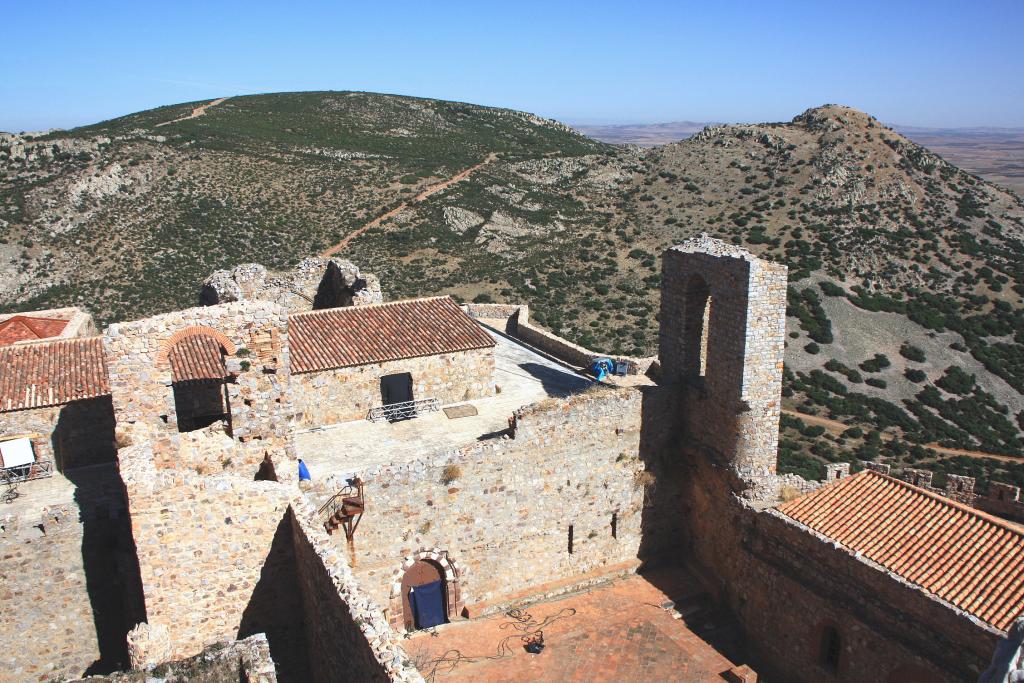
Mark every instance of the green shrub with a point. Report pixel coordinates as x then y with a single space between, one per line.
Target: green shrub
876 364
911 352
812 348
831 289
915 375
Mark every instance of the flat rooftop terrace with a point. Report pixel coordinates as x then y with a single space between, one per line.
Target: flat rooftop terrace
523 376
660 626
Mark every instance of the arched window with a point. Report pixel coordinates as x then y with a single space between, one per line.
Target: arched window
696 326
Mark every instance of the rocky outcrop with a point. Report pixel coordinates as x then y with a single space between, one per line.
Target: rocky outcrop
314 283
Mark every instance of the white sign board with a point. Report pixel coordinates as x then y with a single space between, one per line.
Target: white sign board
17 452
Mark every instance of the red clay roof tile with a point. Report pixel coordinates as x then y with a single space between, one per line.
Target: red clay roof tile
966 557
197 357
26 328
52 373
359 335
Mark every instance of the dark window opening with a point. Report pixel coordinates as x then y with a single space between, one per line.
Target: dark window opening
199 404
615 525
696 326
570 539
266 472
831 648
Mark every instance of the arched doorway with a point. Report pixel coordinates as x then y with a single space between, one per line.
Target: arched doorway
424 595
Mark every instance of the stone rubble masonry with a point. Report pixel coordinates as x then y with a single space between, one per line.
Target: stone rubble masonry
258 395
732 411
202 542
348 635
240 661
47 556
315 282
343 394
495 514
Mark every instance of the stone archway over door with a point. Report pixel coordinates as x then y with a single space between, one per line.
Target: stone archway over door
399 607
423 573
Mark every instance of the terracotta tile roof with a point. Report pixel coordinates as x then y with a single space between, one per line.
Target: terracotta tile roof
196 357
971 559
52 373
27 328
358 335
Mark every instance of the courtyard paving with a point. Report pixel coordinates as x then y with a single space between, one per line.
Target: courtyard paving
624 630
523 375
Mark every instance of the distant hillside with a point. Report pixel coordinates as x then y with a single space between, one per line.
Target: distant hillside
907 274
995 154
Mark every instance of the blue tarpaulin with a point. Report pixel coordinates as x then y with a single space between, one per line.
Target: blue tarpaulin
427 604
303 472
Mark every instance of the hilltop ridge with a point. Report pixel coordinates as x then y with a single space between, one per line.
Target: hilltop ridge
894 253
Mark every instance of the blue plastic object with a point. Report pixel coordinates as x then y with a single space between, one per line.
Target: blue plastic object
304 472
601 367
427 603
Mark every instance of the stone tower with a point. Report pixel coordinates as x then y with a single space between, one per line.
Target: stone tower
721 342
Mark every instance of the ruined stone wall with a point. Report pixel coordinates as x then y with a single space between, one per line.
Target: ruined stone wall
76 434
514 319
347 633
499 511
242 661
730 398
322 398
314 283
254 334
213 560
786 584
69 586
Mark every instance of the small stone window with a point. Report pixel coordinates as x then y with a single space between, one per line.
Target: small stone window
831 648
570 539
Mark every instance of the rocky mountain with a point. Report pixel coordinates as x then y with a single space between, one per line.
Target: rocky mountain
907 274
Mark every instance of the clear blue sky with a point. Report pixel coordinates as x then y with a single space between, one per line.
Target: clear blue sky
936 63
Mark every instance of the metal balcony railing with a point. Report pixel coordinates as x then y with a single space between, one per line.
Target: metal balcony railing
403 411
10 477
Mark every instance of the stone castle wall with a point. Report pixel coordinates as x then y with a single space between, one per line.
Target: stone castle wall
786 584
76 434
348 637
70 587
499 510
514 319
205 544
322 398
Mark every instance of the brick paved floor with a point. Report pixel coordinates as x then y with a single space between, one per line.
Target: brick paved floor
619 632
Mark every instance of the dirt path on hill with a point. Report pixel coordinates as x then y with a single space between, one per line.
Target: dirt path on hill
196 112
430 190
836 428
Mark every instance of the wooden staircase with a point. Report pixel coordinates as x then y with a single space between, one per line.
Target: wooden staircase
344 509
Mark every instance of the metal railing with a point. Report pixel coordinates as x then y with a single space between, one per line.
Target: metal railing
403 411
12 476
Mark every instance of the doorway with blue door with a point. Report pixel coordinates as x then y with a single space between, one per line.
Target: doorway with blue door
424 596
